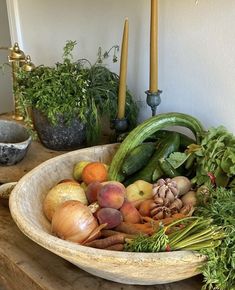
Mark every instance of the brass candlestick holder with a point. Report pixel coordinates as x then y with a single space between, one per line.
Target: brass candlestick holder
17 59
28 65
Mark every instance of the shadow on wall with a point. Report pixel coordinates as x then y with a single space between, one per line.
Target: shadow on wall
6 99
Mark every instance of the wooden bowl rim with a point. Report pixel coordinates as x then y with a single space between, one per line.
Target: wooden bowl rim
67 248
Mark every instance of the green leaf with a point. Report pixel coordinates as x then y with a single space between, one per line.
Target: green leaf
176 159
219 271
228 161
75 88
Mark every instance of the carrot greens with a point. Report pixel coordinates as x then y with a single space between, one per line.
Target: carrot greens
219 271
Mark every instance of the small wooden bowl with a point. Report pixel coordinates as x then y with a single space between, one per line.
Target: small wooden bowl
130 268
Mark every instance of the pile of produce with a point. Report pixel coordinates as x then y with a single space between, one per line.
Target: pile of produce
163 191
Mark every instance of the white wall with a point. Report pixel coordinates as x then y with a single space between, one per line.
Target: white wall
6 98
196 47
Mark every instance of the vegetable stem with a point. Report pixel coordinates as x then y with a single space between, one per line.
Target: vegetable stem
184 232
202 245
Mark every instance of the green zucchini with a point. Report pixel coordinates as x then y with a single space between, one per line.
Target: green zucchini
165 147
146 129
168 170
137 158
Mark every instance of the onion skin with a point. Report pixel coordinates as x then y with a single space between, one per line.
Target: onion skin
183 184
60 193
73 221
189 198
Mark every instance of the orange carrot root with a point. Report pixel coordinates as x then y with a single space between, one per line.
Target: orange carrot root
135 229
116 247
109 233
106 242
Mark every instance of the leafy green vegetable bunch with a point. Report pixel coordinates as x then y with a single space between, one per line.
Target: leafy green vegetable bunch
213 160
219 271
74 89
216 156
189 233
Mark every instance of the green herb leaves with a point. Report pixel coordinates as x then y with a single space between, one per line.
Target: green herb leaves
216 155
190 233
74 89
219 272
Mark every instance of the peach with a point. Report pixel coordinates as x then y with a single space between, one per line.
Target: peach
111 216
91 191
116 183
129 213
111 195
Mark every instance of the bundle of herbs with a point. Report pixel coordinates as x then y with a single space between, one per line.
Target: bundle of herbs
213 160
219 271
190 233
74 89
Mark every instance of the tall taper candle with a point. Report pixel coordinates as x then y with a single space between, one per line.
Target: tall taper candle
153 80
123 72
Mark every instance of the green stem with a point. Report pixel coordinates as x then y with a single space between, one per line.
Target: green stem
202 245
195 236
184 232
200 226
189 242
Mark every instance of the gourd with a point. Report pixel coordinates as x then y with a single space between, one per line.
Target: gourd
137 158
147 128
152 170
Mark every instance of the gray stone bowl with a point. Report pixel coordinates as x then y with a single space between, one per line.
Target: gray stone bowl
14 142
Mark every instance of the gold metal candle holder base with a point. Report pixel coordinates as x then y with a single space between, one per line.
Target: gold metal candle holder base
17 117
18 60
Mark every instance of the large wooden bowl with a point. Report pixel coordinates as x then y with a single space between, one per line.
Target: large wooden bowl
131 268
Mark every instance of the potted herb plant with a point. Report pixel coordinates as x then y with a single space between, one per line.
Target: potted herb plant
69 99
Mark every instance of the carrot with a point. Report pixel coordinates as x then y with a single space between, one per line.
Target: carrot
179 215
116 247
106 242
134 229
108 233
148 219
171 219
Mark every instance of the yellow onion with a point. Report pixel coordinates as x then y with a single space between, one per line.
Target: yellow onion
74 221
60 193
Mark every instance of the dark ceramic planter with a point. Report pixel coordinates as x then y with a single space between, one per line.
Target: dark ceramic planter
60 136
14 142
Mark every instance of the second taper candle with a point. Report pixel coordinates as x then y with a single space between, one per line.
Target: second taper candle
123 72
153 81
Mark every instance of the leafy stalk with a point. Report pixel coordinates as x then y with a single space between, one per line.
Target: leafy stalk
156 243
180 239
219 271
75 89
215 155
